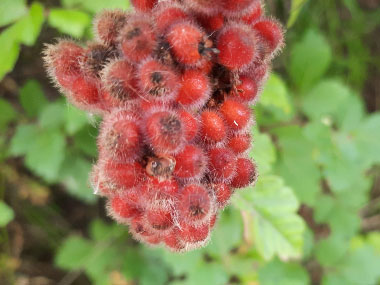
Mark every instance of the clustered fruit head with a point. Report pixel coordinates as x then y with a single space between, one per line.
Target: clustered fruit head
174 81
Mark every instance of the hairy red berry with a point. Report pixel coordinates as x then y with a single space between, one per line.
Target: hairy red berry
144 5
195 89
245 173
137 38
211 23
191 125
237 46
271 35
193 234
253 13
125 206
240 143
234 7
208 7
222 163
167 13
122 175
237 115
190 163
159 219
107 25
246 90
222 193
212 126
173 241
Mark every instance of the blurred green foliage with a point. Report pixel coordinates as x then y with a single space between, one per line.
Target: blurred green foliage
315 146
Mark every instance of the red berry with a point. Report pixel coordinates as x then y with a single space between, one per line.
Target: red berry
123 175
211 23
222 164
237 115
195 205
168 13
208 7
190 163
271 34
237 46
240 143
222 193
161 166
107 25
118 78
159 219
162 189
191 124
213 128
137 38
189 43
173 241
195 89
246 90
126 205
144 5
165 131
245 173
119 137
233 7
253 13
94 59
192 234
157 81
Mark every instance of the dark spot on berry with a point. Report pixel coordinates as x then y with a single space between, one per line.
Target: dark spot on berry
170 125
195 210
133 33
160 166
156 77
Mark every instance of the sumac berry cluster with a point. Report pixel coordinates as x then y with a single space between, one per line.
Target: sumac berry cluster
174 81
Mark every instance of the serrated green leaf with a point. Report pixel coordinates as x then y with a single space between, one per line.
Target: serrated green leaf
29 27
277 272
75 120
330 251
310 58
7 113
6 214
72 22
295 162
52 116
275 94
180 264
350 113
325 99
74 174
278 230
74 253
206 273
11 10
32 98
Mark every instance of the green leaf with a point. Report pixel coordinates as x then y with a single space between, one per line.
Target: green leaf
277 272
71 22
7 113
29 27
309 60
295 9
350 113
230 224
74 174
295 162
11 10
85 140
52 116
46 154
180 264
75 119
214 273
277 227
74 253
367 139
275 94
330 251
23 138
9 45
264 152
100 231
32 98
325 99
6 214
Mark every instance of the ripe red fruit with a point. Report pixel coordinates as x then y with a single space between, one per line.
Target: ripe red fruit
125 206
192 234
144 5
222 193
159 219
195 205
211 23
157 81
160 188
245 173
237 46
94 58
191 125
107 25
189 43
190 163
237 115
168 13
239 143
173 241
207 7
137 38
253 13
122 175
222 163
165 131
119 137
212 126
195 89
233 7
271 35
247 90
118 78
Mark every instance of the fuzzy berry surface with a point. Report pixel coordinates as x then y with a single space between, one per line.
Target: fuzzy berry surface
174 82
